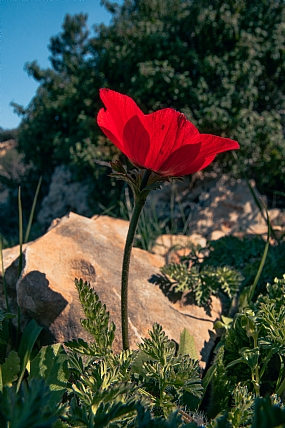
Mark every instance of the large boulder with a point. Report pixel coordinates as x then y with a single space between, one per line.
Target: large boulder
92 249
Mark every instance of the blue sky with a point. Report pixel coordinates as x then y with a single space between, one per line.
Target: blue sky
26 27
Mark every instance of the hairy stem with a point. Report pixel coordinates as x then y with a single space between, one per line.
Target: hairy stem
139 203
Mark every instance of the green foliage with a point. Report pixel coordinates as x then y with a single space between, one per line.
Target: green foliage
97 318
158 385
221 385
167 376
229 265
103 398
239 252
274 292
145 419
28 339
9 370
51 365
7 134
202 283
109 387
28 407
13 363
33 401
252 349
187 345
242 410
268 415
244 255
5 318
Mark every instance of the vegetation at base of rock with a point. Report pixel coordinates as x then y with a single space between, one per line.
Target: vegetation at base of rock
157 385
229 265
200 285
251 351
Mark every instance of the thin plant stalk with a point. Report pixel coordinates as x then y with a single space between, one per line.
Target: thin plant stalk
262 262
21 253
138 206
21 241
3 275
247 294
259 203
27 234
172 202
20 231
255 373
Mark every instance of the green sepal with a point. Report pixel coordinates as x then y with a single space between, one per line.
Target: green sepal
118 167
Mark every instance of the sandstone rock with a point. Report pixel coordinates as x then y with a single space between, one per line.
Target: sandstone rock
92 249
11 269
228 207
172 247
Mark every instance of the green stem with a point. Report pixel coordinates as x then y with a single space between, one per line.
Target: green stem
139 203
125 270
256 371
145 178
3 275
21 254
281 388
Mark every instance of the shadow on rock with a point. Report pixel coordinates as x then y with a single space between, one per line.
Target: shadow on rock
37 298
166 287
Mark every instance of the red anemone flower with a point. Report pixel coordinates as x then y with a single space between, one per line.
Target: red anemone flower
164 141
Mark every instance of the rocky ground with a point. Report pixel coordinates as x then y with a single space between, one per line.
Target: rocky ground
76 246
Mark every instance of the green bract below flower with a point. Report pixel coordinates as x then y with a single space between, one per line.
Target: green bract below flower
164 141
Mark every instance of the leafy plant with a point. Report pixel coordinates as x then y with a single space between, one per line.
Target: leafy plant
251 351
245 255
112 385
201 282
165 375
229 265
28 407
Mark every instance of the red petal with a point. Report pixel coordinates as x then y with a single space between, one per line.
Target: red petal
186 158
206 162
105 122
137 140
198 165
184 161
212 145
168 130
120 109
